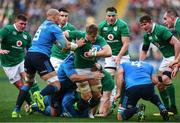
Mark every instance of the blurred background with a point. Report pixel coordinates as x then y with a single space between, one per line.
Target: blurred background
83 12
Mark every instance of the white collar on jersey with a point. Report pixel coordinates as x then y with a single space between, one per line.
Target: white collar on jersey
175 22
15 27
153 27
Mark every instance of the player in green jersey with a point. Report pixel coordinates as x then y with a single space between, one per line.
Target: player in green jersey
171 20
15 40
116 33
58 55
85 59
4 51
169 46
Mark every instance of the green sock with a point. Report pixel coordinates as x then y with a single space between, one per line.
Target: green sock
171 93
164 98
34 88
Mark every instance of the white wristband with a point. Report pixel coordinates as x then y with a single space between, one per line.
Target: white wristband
94 52
73 46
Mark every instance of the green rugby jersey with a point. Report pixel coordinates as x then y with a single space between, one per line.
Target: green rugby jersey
56 50
177 27
15 42
113 34
160 37
80 60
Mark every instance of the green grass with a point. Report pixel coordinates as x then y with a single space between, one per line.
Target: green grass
8 94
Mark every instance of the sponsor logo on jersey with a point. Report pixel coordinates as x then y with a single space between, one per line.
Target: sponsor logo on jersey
115 28
14 33
25 37
19 43
110 37
105 28
150 38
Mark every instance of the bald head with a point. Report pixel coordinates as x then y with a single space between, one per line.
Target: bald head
52 12
53 15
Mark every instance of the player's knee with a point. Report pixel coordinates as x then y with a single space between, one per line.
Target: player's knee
165 78
106 97
168 74
30 78
56 84
97 88
52 79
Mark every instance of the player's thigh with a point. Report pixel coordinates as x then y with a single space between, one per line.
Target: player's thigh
165 63
84 87
131 97
107 82
147 91
14 73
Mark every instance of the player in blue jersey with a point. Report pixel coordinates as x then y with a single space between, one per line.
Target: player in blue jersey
37 59
138 78
62 102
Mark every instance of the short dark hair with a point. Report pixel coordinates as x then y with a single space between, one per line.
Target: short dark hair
63 10
92 29
21 17
172 12
145 18
111 9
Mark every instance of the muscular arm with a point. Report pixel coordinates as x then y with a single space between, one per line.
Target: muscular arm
125 41
105 52
82 78
176 43
119 82
72 46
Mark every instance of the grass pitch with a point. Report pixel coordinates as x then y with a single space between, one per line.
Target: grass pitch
8 94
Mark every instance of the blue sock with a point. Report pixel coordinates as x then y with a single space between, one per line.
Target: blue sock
35 108
128 113
23 93
17 109
49 90
161 107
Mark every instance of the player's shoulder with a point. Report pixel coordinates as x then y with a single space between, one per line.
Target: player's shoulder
27 34
120 21
160 27
71 25
102 23
9 27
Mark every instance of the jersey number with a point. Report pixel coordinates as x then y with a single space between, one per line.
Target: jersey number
138 64
36 36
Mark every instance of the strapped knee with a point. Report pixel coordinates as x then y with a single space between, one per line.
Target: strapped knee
83 87
97 87
160 79
167 73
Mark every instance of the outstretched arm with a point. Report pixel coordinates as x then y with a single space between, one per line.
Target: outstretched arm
4 51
